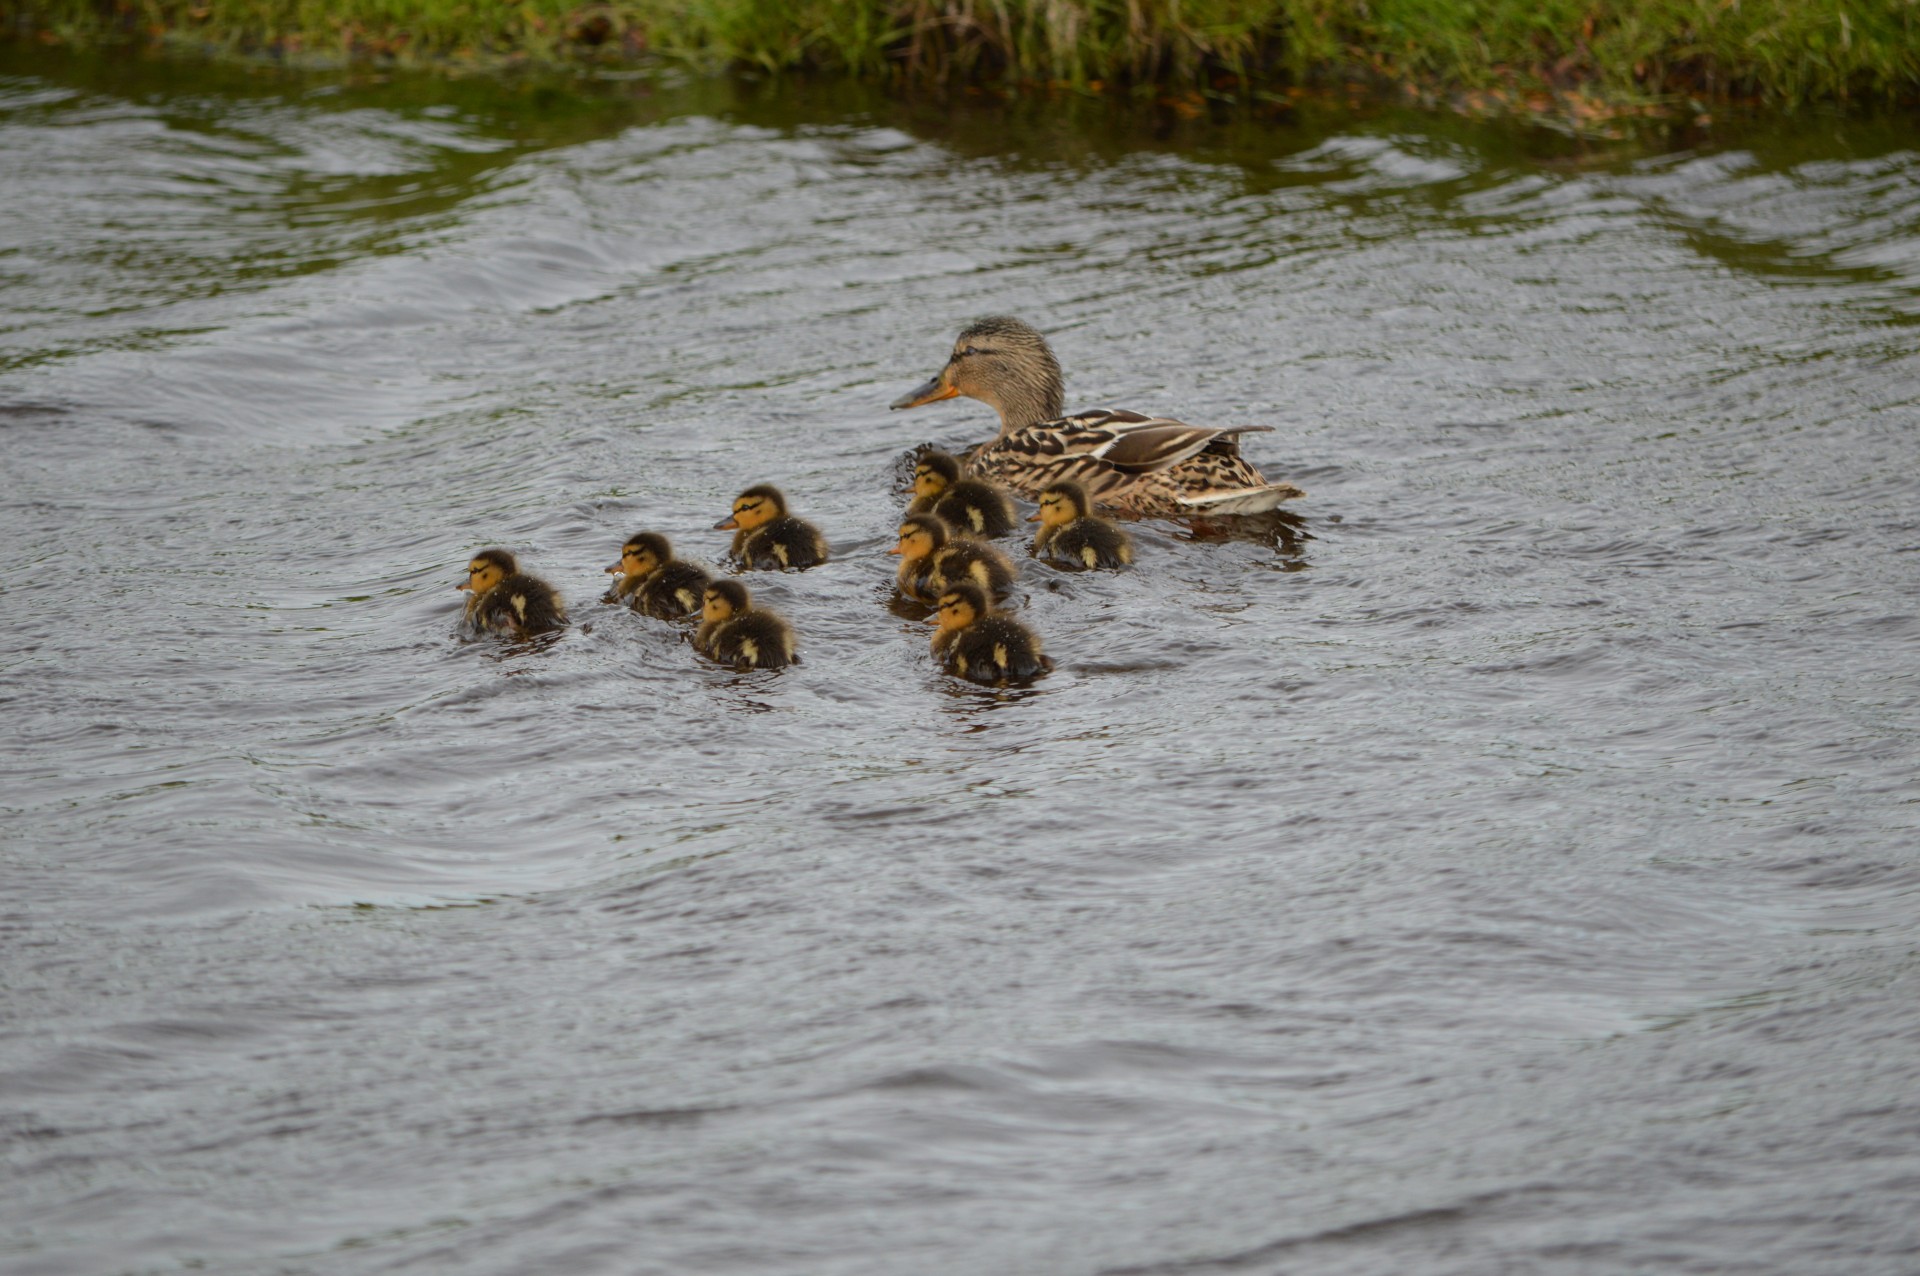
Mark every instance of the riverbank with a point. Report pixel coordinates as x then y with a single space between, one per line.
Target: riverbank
1628 55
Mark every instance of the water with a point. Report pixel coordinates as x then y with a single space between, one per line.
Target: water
1508 865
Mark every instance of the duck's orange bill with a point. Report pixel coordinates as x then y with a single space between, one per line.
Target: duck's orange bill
726 524
932 392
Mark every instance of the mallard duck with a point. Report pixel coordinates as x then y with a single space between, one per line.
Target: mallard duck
981 645
971 505
734 633
652 581
1141 464
1069 529
503 600
931 557
767 538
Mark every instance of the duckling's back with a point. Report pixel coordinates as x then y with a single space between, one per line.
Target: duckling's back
753 640
995 649
1087 542
522 606
785 544
672 592
976 507
965 559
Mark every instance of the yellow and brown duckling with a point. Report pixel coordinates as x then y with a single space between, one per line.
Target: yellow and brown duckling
501 599
972 505
1069 529
649 579
1128 461
734 633
932 557
981 645
767 538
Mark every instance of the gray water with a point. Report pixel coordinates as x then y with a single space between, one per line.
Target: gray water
1506 864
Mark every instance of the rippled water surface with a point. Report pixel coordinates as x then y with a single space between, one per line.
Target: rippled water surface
1509 864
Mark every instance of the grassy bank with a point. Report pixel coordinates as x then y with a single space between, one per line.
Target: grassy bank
1785 52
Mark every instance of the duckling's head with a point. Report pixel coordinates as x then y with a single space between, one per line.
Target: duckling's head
933 474
488 568
1061 503
960 605
754 507
1007 365
724 600
921 535
643 554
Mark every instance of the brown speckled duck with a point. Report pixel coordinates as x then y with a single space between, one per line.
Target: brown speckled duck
767 538
733 632
501 599
981 645
1071 532
649 579
1126 461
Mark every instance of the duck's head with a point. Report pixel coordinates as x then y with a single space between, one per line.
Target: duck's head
1061 503
756 506
934 473
960 605
488 568
724 600
642 555
921 535
1007 365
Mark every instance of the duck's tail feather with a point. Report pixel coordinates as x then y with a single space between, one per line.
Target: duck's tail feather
1246 500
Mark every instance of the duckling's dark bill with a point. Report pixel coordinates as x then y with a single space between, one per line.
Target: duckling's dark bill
932 392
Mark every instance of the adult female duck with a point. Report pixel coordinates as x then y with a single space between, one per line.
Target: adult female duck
1126 461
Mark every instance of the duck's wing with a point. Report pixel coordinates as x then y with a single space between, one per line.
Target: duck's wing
1135 444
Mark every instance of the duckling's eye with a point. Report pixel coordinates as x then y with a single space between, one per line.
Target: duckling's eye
970 350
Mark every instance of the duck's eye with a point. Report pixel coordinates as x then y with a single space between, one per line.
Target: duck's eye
967 350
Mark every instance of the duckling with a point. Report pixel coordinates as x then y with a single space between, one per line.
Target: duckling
931 557
652 581
767 537
734 633
970 504
503 600
1069 530
980 645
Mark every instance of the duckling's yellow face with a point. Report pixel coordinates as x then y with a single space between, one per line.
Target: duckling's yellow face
1056 508
915 541
638 560
483 575
714 608
955 612
928 482
751 511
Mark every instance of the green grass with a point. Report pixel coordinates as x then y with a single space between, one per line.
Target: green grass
1782 51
